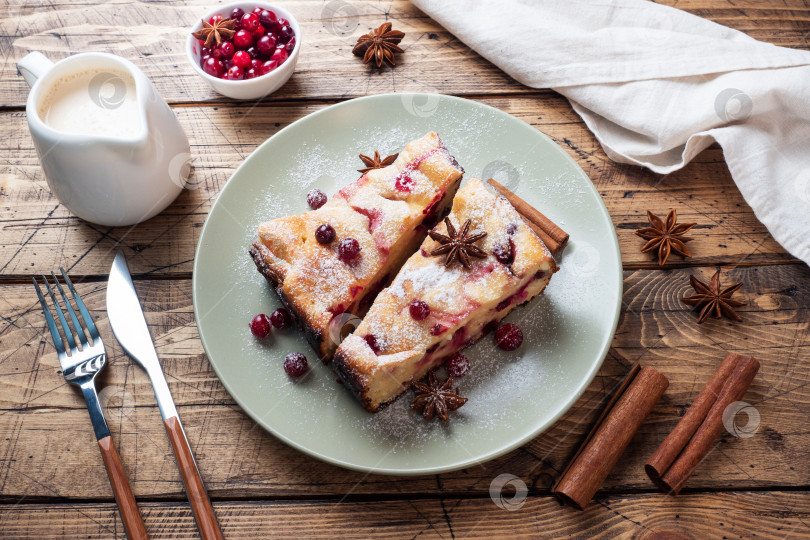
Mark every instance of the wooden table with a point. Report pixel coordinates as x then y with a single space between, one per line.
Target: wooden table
260 487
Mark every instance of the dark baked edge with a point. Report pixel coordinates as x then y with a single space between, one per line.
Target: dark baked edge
313 336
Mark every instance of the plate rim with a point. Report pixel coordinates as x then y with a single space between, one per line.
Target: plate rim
461 464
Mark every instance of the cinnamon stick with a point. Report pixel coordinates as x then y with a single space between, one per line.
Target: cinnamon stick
552 236
692 439
621 418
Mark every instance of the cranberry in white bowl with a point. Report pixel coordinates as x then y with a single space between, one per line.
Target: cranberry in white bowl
257 59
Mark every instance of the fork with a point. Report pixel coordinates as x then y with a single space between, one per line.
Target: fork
80 365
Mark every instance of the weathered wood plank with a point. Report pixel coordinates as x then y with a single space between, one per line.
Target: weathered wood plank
771 514
153 36
44 429
39 234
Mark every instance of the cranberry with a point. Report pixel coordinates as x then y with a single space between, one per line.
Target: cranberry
438 329
259 32
215 19
457 366
371 339
224 50
266 44
204 59
503 304
250 22
256 64
508 337
348 250
205 51
283 22
257 10
243 39
285 34
419 310
253 52
281 318
540 274
269 66
316 198
505 253
252 73
260 325
213 66
325 234
268 19
241 59
511 228
290 46
235 73
236 14
279 55
295 364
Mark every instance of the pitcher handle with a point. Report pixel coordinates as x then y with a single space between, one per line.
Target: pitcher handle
33 66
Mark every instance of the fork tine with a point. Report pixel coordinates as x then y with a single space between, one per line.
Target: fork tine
57 339
88 320
76 325
58 308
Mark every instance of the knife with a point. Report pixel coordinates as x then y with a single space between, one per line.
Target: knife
129 326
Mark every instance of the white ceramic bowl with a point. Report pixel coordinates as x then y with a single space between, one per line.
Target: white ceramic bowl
247 88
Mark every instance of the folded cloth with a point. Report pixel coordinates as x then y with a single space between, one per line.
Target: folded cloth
657 85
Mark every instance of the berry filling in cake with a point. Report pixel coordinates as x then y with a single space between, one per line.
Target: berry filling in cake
334 259
476 266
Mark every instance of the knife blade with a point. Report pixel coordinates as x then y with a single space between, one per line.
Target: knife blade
129 327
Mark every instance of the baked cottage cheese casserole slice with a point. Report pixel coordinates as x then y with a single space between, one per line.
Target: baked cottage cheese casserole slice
331 262
433 309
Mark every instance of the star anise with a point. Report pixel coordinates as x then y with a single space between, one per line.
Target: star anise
457 245
665 236
714 300
375 163
380 44
215 33
436 398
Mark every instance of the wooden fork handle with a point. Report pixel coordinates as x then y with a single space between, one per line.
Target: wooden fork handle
123 494
197 496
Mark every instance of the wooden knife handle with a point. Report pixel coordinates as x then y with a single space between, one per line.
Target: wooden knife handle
123 494
197 496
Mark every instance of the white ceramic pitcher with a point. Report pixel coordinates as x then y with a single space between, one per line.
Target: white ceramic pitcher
112 181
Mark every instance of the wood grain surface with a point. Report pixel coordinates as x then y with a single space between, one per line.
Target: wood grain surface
52 481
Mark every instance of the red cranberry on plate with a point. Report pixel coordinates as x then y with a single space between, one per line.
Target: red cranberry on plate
348 250
260 325
316 198
252 73
325 234
295 364
215 19
281 318
508 337
419 310
457 366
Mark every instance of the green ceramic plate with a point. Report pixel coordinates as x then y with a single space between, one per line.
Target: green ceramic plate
512 396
